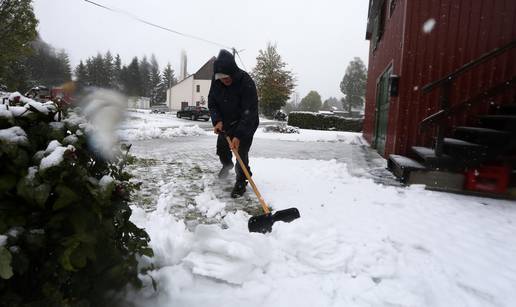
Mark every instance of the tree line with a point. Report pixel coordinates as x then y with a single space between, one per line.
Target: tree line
141 77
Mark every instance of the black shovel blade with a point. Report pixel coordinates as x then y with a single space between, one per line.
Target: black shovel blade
263 223
287 215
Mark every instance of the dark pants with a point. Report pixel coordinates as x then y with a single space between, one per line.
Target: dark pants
225 154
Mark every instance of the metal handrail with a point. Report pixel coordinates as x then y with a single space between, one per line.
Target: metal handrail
466 67
445 84
442 114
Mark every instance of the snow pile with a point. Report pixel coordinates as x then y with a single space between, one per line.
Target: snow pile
357 243
54 154
147 133
208 203
307 135
227 255
3 240
281 128
14 135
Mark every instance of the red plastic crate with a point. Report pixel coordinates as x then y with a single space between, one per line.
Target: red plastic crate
492 179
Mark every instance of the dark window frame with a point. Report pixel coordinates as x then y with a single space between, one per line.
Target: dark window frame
379 24
392 7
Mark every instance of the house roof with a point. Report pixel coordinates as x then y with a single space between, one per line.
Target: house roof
206 71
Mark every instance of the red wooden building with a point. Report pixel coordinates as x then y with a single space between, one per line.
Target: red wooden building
441 71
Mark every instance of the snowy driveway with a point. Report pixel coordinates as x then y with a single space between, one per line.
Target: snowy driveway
358 242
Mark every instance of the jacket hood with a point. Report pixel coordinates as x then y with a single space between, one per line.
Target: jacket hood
225 63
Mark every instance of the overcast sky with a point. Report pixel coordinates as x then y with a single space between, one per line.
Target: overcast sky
316 38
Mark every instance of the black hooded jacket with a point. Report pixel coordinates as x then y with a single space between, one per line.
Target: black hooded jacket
235 105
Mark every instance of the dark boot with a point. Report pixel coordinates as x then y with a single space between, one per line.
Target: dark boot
224 171
238 189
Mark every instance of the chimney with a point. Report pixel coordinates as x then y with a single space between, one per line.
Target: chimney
183 73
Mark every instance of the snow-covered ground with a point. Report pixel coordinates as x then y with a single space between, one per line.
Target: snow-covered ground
142 125
306 135
357 243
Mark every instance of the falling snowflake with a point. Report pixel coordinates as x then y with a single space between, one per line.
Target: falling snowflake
429 25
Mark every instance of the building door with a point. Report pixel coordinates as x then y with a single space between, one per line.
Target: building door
382 111
184 104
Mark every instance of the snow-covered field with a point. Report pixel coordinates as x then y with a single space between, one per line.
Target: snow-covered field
357 243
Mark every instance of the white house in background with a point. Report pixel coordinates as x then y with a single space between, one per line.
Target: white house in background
192 90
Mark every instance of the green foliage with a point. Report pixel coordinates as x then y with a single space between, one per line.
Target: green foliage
69 240
353 85
311 102
17 30
274 83
306 120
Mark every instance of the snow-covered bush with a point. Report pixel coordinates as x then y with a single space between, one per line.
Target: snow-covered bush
65 234
309 120
281 128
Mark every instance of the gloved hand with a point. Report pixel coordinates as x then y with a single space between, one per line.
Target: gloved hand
218 128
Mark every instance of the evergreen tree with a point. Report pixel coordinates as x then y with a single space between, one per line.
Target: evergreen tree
131 78
155 80
273 81
145 70
17 29
167 81
64 65
311 102
81 76
109 70
95 71
117 72
353 84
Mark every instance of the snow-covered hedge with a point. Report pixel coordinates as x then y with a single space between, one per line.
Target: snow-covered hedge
65 234
309 120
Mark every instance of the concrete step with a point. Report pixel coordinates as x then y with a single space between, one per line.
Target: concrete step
430 160
464 151
482 136
499 122
401 166
506 109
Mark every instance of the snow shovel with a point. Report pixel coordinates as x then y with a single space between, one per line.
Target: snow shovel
263 223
